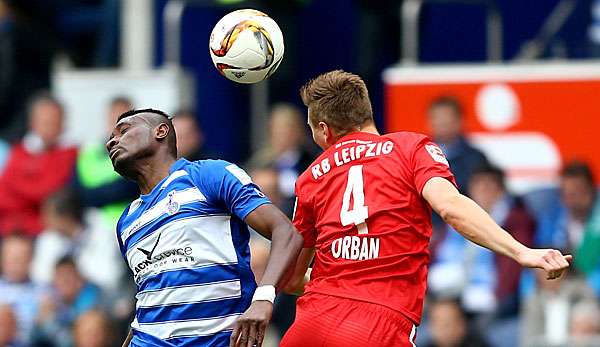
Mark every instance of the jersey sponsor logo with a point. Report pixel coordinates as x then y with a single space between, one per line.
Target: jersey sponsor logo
240 174
149 253
175 255
352 153
436 153
355 248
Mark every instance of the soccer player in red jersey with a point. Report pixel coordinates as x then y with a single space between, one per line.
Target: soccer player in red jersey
364 210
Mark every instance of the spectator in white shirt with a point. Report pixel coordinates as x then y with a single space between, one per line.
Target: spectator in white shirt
70 231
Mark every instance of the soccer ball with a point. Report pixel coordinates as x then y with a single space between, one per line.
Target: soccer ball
246 46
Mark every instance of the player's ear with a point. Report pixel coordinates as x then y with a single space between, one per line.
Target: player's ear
323 128
329 134
161 131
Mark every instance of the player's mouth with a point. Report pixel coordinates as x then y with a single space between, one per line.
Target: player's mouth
113 153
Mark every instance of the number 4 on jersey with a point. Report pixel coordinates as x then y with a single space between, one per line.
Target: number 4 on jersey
355 189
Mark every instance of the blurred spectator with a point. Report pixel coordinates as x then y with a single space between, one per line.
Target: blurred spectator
267 178
37 166
26 52
70 231
93 329
445 117
287 151
71 297
584 325
448 326
486 283
573 225
547 312
8 327
96 181
488 188
190 138
16 289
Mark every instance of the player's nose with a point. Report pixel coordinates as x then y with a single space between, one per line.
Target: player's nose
110 144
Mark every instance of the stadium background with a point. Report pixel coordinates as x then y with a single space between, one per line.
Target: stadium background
530 98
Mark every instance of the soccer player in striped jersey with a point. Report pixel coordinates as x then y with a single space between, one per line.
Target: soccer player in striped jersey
186 241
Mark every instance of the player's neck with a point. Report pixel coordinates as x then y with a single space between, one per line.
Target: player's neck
371 129
151 172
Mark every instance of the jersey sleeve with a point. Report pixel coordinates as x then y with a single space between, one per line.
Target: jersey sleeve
232 186
429 161
304 220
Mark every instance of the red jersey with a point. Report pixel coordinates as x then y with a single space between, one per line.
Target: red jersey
360 206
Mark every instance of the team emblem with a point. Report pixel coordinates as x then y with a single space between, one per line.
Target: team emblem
437 154
172 206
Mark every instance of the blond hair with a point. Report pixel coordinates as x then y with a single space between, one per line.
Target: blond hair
338 98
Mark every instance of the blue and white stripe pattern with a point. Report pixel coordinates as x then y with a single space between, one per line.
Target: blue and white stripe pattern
187 246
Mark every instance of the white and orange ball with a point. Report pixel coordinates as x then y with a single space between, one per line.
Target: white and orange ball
246 46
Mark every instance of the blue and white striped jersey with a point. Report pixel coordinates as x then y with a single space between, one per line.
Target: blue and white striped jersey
187 246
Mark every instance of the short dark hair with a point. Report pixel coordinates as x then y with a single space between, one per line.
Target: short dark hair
438 298
338 98
17 235
447 101
496 173
578 169
171 138
66 260
144 110
66 202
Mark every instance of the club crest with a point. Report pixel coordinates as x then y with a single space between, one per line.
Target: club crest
172 205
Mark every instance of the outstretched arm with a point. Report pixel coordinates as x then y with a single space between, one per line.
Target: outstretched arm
470 220
286 243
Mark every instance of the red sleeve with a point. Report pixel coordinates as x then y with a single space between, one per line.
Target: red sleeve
304 220
429 161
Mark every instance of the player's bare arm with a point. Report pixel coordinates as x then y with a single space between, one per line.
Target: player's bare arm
286 243
465 216
128 339
301 273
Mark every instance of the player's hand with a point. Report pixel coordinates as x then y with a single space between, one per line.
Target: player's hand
550 260
251 326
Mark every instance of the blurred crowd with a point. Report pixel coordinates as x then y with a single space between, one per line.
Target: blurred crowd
478 298
63 282
62 278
